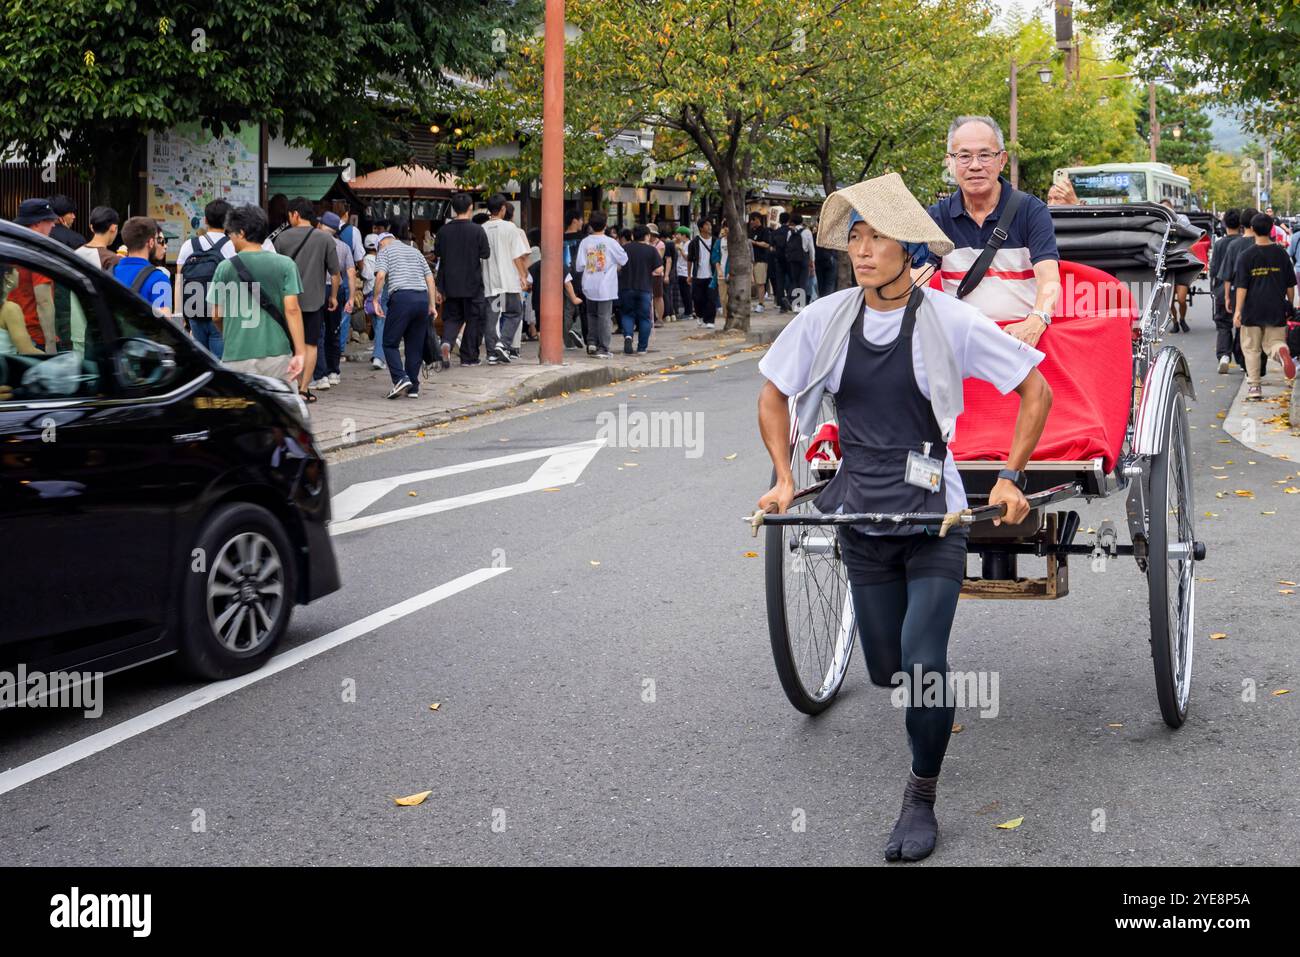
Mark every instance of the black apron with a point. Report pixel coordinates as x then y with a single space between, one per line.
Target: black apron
883 416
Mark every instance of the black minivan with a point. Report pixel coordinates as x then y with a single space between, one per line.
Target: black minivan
152 502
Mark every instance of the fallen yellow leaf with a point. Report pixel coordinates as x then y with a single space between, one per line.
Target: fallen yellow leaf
1220 494
1012 824
1244 493
630 465
1274 512
1211 514
413 494
1114 725
435 706
1282 581
1221 415
1291 490
550 490
1281 691
593 564
958 728
751 554
411 800
730 457
1207 579
1218 636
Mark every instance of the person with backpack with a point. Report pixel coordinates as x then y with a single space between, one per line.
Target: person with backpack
317 259
1005 262
799 253
137 269
196 263
253 300
700 269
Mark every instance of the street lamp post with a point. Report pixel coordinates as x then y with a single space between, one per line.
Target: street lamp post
549 313
1045 75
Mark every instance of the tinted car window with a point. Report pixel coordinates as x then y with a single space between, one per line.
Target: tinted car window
35 308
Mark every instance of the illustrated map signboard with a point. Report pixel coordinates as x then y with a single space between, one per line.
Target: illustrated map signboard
189 167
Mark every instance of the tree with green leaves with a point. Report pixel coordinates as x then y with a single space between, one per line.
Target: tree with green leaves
90 77
1185 137
738 84
1247 55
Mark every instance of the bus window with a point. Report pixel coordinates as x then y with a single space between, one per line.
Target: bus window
1110 187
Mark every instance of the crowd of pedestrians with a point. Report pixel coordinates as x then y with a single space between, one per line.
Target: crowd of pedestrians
282 291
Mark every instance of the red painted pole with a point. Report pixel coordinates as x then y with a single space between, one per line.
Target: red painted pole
550 313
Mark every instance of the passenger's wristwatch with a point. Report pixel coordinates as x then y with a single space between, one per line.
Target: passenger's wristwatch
1041 314
1015 476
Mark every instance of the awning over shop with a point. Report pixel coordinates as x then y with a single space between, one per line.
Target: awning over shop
317 183
413 180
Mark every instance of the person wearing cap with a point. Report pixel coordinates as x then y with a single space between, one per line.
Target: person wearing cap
894 353
368 302
330 351
33 291
407 313
1023 279
66 210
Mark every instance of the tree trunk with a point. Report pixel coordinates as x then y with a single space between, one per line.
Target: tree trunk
115 182
740 262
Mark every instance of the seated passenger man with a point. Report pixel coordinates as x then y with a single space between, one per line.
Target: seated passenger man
1022 279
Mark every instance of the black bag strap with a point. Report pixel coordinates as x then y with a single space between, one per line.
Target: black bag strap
305 240
142 277
981 265
241 269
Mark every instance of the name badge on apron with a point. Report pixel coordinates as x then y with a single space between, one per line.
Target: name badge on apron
923 470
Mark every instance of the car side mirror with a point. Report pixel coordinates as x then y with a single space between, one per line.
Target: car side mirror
143 363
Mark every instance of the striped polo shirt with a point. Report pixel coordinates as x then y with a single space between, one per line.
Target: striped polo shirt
1008 289
405 267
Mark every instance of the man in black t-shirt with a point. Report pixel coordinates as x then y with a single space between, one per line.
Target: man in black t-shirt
776 264
760 241
1265 287
1224 340
461 246
643 262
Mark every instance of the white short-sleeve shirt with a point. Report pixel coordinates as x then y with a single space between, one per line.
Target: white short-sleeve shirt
982 350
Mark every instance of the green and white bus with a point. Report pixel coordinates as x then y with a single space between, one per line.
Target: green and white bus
1128 183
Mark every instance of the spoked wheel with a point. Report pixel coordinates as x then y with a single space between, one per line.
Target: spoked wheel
1171 574
809 609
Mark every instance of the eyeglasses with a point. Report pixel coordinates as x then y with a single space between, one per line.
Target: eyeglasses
964 159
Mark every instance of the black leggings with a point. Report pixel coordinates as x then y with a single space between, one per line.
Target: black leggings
904 624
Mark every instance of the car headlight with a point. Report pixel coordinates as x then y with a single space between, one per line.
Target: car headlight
283 393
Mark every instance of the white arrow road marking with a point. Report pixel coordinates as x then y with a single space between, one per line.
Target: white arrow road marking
563 465
26 773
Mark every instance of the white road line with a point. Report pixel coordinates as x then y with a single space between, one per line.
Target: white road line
563 466
54 761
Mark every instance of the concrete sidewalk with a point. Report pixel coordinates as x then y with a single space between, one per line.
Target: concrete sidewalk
357 410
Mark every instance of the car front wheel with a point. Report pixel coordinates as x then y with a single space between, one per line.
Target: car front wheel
239 592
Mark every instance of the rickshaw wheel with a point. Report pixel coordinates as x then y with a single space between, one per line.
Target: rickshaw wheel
809 608
1171 570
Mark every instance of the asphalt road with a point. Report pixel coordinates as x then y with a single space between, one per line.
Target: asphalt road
607 695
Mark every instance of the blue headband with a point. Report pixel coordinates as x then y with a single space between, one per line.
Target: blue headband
919 253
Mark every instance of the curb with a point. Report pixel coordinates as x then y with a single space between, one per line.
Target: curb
544 384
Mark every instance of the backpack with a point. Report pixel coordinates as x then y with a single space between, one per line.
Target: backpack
793 247
779 237
200 268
